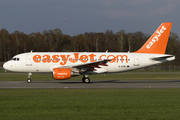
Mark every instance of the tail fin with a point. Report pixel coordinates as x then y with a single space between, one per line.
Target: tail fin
158 41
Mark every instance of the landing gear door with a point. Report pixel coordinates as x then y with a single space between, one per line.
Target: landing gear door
136 60
28 60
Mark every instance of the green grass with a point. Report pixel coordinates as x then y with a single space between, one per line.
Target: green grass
87 104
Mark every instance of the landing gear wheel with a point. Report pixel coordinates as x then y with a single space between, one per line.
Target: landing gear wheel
87 80
28 80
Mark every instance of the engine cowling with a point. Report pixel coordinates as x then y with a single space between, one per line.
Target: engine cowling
63 73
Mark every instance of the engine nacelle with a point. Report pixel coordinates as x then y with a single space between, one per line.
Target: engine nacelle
63 73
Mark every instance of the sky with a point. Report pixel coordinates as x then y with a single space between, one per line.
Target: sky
75 17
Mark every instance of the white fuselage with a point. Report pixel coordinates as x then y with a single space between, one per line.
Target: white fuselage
40 62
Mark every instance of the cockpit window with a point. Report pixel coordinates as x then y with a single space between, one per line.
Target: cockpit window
15 59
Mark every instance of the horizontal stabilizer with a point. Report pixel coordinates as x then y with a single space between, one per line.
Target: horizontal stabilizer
162 57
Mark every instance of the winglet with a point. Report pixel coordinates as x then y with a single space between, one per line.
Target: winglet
157 43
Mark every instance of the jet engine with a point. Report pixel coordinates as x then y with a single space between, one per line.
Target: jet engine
64 73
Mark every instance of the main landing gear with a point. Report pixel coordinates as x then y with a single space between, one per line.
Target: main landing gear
85 79
29 78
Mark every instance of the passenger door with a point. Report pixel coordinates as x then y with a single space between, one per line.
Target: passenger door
29 60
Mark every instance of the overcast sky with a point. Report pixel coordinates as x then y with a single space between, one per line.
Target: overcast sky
88 15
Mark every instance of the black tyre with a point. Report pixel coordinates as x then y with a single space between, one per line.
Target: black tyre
28 80
87 80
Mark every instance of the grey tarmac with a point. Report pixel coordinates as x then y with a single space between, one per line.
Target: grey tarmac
68 84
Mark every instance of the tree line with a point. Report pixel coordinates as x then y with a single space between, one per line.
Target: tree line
55 41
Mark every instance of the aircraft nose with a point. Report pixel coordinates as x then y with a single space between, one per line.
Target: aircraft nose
6 66
10 66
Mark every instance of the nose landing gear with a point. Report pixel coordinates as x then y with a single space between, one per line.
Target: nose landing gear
29 78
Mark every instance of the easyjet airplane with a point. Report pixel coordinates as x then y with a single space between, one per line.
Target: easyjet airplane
64 65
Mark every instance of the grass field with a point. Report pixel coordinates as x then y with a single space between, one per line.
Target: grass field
87 104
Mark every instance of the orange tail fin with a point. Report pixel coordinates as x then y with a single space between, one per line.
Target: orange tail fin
158 41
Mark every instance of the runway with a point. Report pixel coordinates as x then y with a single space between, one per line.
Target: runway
111 84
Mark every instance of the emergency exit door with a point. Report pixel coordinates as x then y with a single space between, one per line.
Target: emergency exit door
136 60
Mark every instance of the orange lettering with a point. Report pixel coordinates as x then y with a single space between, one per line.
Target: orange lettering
84 58
46 58
55 58
100 58
37 58
76 57
113 59
65 59
92 57
122 56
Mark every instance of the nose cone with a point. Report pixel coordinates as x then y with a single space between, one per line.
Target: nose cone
8 66
5 66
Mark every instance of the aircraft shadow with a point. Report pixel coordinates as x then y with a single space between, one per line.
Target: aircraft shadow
107 81
118 81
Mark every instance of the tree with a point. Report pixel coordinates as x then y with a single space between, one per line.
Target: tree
173 48
5 44
139 38
130 38
121 37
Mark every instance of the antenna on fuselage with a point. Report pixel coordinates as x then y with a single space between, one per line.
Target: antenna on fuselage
106 51
31 51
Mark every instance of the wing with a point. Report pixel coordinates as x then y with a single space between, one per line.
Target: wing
92 64
86 68
91 67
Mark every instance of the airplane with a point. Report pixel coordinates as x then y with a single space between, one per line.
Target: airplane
64 65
